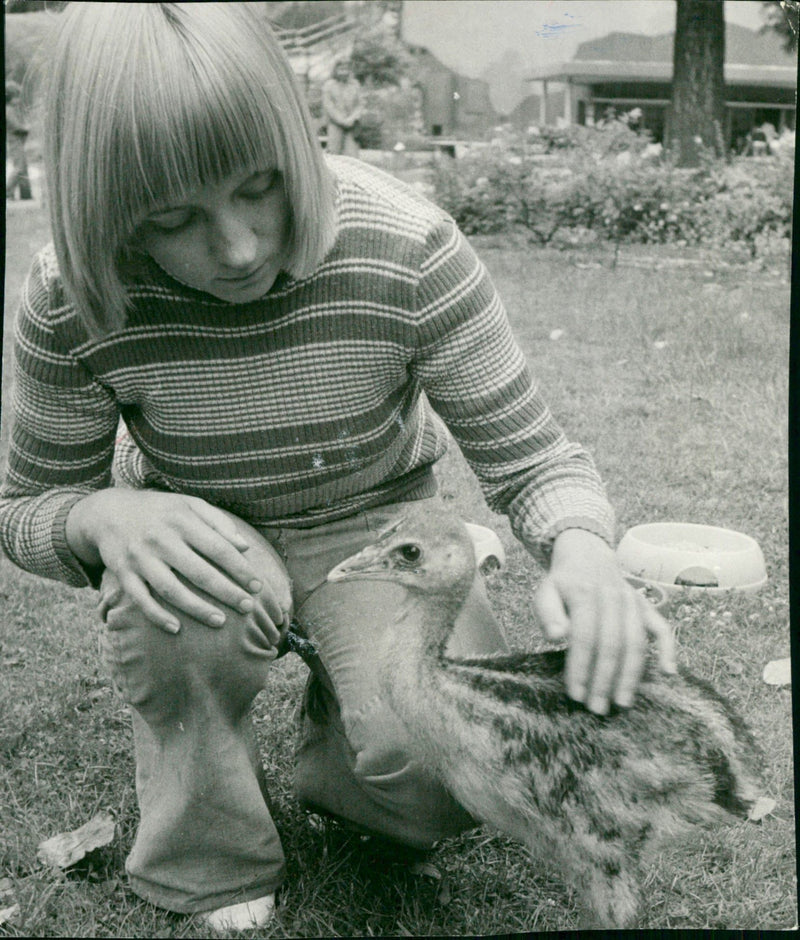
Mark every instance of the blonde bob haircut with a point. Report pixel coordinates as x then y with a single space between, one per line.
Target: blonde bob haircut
148 101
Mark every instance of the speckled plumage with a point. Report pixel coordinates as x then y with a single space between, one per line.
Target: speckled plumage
590 793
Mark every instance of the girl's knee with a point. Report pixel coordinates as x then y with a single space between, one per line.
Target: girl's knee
149 665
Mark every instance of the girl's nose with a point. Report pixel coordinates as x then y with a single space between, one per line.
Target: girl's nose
235 245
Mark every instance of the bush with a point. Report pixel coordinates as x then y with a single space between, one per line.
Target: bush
369 131
752 202
610 181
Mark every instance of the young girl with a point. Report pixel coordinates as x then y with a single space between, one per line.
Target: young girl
265 321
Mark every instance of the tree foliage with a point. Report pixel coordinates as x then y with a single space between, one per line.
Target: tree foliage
783 17
376 64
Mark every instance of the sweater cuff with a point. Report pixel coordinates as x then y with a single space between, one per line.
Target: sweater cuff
90 576
545 544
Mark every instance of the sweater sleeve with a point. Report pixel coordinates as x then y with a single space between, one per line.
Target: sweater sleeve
63 425
477 380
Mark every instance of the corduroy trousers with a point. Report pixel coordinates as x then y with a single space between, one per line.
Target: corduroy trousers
206 836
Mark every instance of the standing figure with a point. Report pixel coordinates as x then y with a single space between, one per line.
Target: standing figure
341 102
287 336
16 135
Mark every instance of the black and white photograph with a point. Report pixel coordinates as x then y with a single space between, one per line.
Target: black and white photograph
394 468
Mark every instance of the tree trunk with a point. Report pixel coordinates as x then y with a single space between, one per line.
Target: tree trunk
696 117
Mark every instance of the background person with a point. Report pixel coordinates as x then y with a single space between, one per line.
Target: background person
341 104
16 135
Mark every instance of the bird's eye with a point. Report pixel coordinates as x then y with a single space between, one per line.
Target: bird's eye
410 552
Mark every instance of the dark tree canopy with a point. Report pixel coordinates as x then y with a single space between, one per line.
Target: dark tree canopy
695 119
782 16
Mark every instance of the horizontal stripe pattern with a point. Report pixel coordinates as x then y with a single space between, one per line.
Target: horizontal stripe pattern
296 409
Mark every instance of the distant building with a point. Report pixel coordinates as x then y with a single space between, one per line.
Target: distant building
528 112
623 71
451 105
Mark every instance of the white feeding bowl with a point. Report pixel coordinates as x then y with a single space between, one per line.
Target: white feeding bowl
684 556
489 552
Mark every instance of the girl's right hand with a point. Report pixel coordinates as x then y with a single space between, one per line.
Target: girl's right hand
164 544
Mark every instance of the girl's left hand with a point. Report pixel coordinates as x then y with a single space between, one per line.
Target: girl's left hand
584 597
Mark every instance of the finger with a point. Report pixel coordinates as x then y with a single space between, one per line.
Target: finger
202 574
549 609
608 629
139 593
661 630
269 627
220 522
273 608
171 587
633 654
581 651
206 541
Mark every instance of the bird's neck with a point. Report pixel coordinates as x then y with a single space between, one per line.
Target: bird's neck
414 672
415 652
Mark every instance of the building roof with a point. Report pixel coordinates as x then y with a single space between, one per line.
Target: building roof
751 58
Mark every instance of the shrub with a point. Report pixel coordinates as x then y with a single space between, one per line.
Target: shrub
369 131
752 202
608 180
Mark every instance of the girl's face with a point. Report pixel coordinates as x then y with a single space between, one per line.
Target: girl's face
228 239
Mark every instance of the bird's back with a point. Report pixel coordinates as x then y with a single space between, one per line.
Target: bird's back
680 747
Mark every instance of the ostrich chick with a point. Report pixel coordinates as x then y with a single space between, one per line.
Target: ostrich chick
591 792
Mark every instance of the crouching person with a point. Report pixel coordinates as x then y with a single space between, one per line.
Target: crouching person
265 319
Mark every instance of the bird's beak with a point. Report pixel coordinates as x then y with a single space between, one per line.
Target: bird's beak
365 564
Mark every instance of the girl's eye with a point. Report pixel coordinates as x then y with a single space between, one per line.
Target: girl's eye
255 195
171 221
259 188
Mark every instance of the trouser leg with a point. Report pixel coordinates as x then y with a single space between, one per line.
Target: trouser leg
350 144
19 178
335 138
206 836
355 758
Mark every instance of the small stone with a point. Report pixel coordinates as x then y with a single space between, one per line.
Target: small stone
778 672
762 807
9 914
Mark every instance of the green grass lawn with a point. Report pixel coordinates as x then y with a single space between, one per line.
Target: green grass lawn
674 373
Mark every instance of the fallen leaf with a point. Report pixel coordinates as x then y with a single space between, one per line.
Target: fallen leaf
762 807
778 672
9 913
425 868
6 887
316 822
67 848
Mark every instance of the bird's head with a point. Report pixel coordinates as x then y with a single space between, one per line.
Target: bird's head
426 550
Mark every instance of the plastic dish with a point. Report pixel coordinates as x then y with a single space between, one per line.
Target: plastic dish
684 556
489 553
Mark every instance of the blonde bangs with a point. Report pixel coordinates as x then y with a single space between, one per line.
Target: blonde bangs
190 123
190 93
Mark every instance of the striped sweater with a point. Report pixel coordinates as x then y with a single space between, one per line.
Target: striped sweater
325 397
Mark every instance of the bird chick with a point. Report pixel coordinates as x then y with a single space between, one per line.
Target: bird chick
593 793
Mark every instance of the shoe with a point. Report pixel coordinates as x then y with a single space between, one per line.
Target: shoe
244 916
